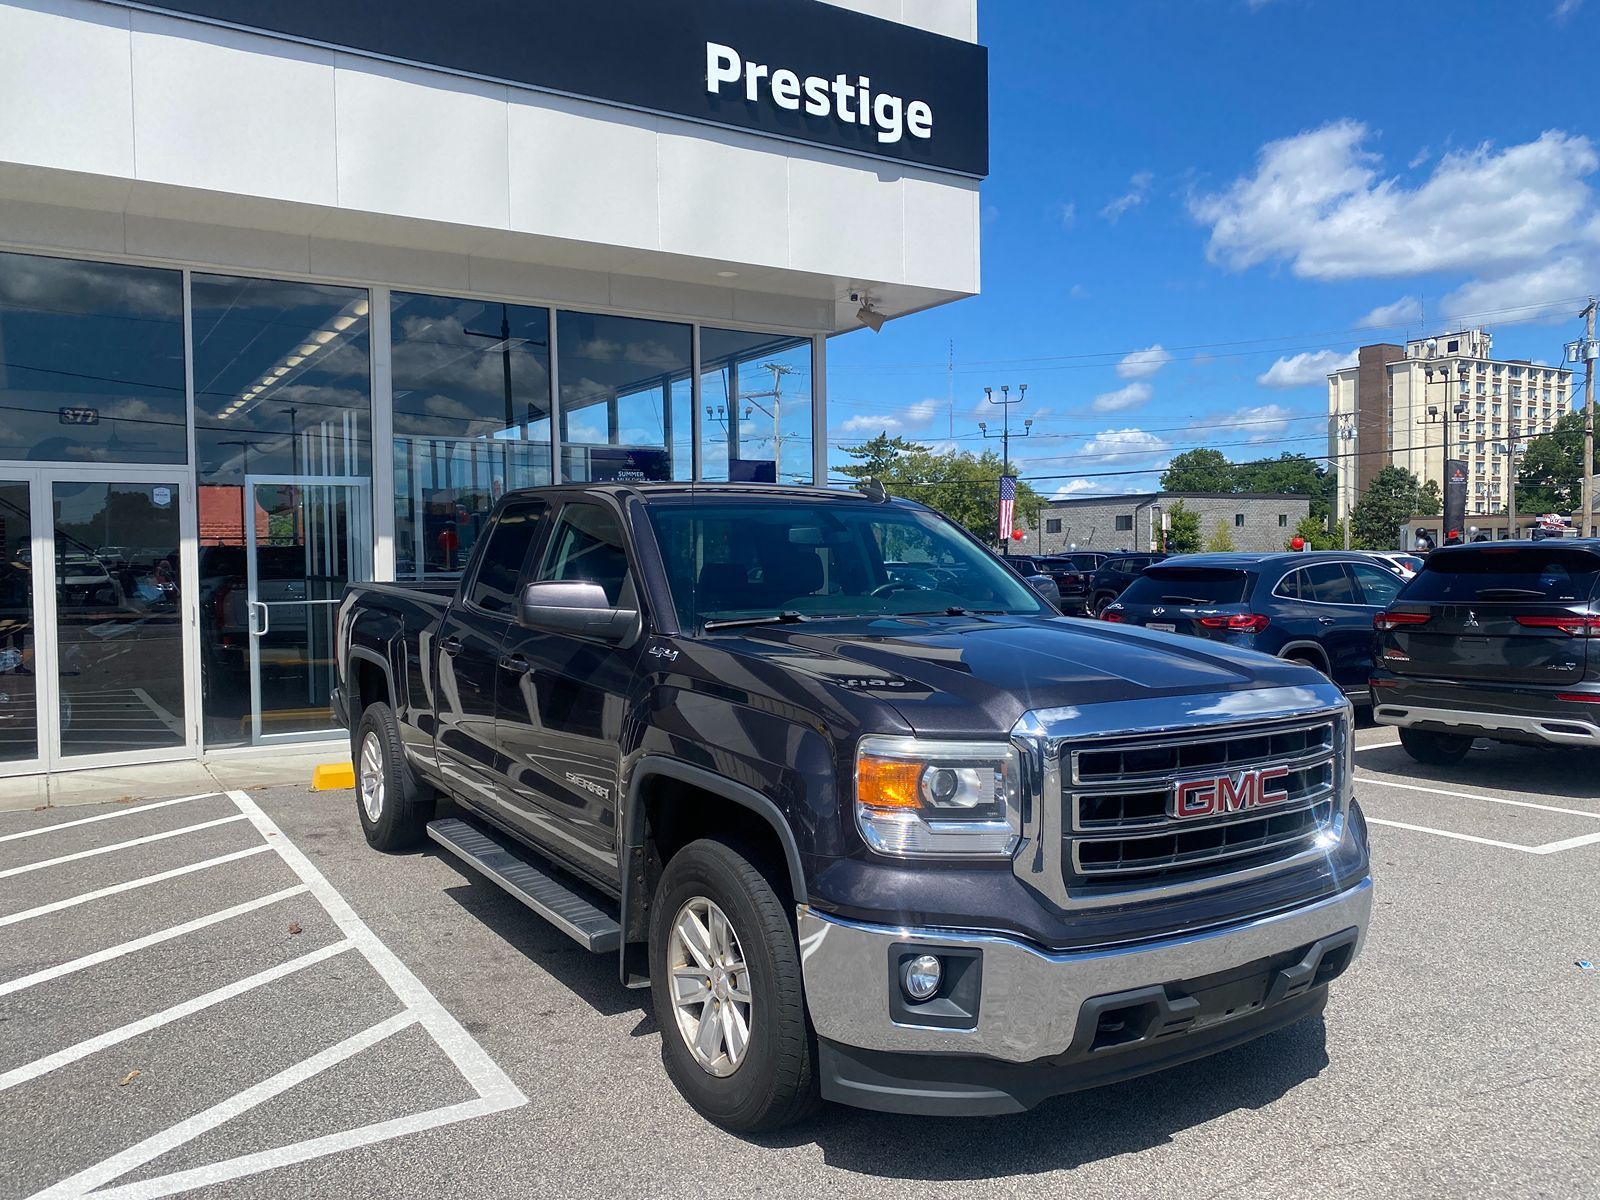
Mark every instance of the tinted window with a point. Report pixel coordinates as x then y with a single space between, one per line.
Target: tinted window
1292 586
1508 574
507 549
1378 586
1188 585
1328 583
587 548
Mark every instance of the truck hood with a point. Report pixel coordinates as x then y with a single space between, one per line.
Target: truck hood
940 673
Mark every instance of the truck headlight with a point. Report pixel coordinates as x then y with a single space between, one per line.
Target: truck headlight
917 798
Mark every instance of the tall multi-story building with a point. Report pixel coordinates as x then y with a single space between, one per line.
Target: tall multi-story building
1403 405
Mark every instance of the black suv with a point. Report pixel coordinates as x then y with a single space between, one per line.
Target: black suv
1500 640
1315 608
1071 574
1113 577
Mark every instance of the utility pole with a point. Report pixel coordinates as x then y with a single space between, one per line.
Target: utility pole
1347 435
779 370
1005 402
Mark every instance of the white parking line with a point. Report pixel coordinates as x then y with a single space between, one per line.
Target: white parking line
1459 837
101 893
1432 791
99 850
186 1131
153 939
71 1054
1377 745
121 812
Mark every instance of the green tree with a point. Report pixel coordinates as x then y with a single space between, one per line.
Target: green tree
1198 471
1390 499
1290 475
1315 533
1550 478
875 459
1221 540
1429 502
1183 529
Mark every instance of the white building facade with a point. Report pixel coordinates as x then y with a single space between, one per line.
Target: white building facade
290 296
1401 406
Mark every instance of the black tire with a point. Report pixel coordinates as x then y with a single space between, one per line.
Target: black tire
1098 605
1435 749
396 816
1309 660
774 1083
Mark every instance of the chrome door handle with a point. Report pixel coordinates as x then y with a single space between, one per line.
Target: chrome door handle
516 663
266 618
1324 620
450 645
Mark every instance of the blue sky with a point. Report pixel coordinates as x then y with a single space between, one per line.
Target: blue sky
1246 190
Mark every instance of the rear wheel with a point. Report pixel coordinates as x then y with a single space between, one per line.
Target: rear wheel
1435 749
1098 604
394 808
726 984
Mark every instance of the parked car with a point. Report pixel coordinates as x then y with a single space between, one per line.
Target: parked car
923 851
1036 576
82 581
1113 577
1069 571
1499 641
1314 608
1404 565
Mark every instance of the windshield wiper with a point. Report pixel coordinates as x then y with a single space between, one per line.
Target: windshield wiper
787 617
1510 593
1186 600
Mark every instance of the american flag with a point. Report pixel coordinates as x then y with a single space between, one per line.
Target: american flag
1008 504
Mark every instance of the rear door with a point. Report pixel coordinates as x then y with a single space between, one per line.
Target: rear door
562 700
1344 621
1499 614
468 651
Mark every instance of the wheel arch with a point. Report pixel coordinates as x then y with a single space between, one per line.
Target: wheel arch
1306 648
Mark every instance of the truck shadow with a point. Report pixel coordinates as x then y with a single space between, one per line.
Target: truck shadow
1548 771
1072 1130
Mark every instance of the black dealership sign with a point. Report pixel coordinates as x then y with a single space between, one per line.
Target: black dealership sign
797 69
1455 498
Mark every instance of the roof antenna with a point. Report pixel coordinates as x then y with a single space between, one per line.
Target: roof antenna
872 488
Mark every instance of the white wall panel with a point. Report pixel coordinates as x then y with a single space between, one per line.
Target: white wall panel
723 198
53 226
390 264
232 112
65 84
244 249
862 233
418 144
584 172
941 233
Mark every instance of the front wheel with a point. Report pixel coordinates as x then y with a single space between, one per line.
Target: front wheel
726 984
1435 749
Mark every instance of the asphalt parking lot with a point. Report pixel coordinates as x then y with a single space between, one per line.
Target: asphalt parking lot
231 995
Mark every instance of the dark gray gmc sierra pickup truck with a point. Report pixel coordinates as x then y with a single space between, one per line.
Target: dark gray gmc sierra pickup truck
916 844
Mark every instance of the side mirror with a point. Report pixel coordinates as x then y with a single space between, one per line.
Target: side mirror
576 608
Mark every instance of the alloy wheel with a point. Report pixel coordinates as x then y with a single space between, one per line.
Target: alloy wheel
710 984
371 781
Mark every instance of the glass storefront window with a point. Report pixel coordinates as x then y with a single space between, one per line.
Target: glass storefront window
91 362
471 421
19 717
626 394
282 382
755 393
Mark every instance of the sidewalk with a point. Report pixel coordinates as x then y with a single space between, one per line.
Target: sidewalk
251 768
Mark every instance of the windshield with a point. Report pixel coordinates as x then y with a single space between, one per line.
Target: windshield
1187 585
1509 574
751 557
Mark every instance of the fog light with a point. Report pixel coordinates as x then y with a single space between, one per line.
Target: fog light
922 978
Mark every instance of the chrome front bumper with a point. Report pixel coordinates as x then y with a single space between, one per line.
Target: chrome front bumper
1559 731
1030 1000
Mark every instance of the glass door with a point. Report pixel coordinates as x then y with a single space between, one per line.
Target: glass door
305 539
19 622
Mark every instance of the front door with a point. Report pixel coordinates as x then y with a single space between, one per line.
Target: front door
305 539
94 665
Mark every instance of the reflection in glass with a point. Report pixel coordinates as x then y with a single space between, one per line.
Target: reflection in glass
19 718
282 385
755 390
471 420
119 627
91 362
625 398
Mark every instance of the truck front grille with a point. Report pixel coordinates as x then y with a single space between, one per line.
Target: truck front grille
1122 795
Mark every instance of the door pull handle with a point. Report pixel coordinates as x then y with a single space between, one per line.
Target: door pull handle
450 645
1324 620
516 663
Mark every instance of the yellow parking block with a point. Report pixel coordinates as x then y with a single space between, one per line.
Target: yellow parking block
333 777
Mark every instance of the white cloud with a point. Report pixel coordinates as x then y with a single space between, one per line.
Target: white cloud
924 411
1124 443
1069 215
1256 423
1525 295
1302 370
1318 201
1405 311
1142 364
870 424
1081 487
1138 191
1565 10
1131 396
1420 157
1078 292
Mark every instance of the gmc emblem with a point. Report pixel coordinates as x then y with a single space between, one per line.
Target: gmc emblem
1233 793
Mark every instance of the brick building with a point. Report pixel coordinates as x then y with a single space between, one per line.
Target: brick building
1255 520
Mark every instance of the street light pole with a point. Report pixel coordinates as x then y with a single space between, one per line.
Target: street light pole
1347 434
1005 402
